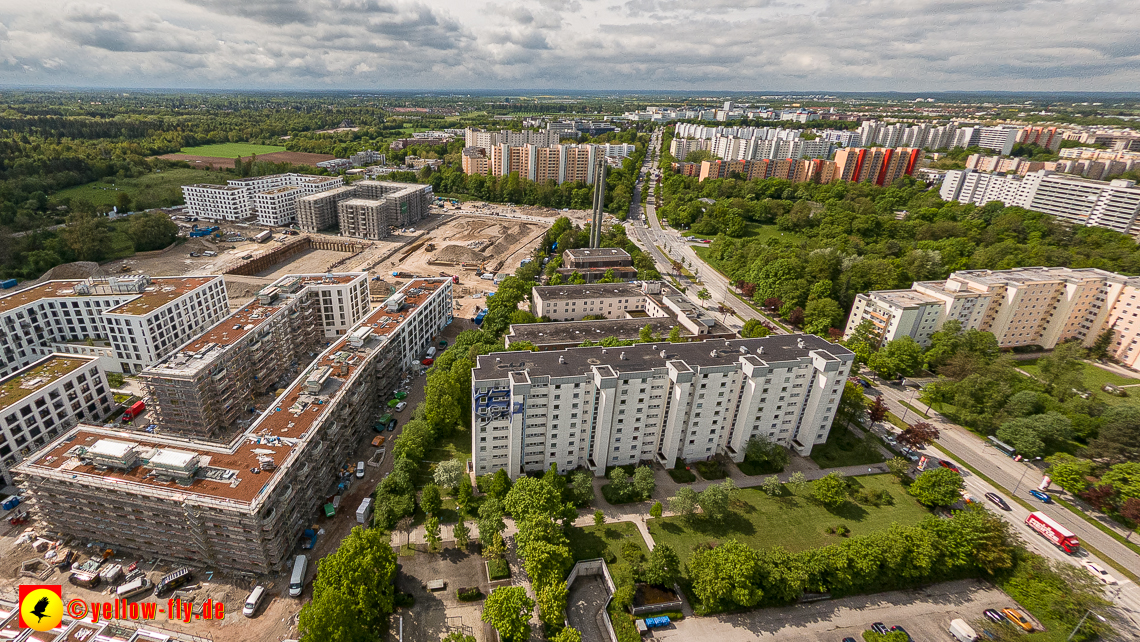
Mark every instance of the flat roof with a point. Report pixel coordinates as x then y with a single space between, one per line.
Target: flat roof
223 188
579 331
240 323
37 376
162 290
283 427
597 252
1033 275
644 357
594 290
280 190
905 298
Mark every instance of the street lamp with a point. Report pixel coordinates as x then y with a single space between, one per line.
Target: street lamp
1078 626
1023 476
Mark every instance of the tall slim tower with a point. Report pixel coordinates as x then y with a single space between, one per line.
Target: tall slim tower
600 170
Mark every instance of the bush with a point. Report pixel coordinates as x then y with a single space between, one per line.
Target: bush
842 530
631 552
874 497
472 594
115 379
498 570
681 474
404 600
711 470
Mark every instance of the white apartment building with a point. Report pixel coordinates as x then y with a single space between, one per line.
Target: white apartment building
599 407
46 397
243 198
343 302
128 321
1000 139
572 302
1113 204
617 150
1020 307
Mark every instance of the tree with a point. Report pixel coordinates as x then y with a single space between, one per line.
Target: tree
704 295
362 572
898 466
645 334
656 510
755 329
1119 438
86 236
332 617
796 316
767 456
465 496
684 502
937 487
797 483
458 636
431 500
448 473
1063 370
431 533
852 404
582 488
644 483
877 411
822 314
918 435
619 480
1130 510
772 486
831 490
1100 347
567 634
1101 497
462 535
599 518
675 334
152 231
551 603
500 484
898 358
1069 472
715 500
490 519
863 341
508 609
1125 477
531 497
725 576
494 547
663 567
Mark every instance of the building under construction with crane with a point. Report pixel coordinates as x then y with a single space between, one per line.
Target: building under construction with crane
240 504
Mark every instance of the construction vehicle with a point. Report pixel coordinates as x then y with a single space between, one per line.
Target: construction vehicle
430 247
196 232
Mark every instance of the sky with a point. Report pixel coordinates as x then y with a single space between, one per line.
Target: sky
743 45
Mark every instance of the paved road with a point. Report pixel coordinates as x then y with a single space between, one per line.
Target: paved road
1020 477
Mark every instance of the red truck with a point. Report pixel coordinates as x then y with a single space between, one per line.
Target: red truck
1061 537
135 410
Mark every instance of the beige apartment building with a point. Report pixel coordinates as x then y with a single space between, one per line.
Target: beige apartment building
1022 307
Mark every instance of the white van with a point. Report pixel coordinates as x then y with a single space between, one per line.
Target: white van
297 581
135 587
253 601
360 470
962 632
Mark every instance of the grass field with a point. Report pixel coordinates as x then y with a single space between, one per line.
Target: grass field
591 542
799 522
843 448
157 189
1095 377
231 150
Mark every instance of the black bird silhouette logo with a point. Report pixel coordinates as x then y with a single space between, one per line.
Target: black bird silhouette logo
41 608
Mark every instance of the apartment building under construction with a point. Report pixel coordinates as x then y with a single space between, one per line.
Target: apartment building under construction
243 504
205 389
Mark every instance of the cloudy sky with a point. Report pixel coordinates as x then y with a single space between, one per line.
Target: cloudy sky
840 45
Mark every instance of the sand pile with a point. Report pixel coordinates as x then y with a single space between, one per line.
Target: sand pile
77 270
459 254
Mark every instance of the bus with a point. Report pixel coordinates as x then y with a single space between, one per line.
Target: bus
1010 451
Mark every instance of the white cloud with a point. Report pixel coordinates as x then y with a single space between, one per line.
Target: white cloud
904 45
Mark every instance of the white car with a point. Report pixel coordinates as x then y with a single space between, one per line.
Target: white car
400 406
1099 573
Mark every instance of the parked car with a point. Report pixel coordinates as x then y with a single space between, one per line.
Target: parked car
1044 497
899 629
879 627
948 464
1099 573
378 441
996 499
360 470
848 639
400 406
993 616
1017 618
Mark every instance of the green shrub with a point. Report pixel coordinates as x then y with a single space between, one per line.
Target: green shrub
472 594
711 470
404 600
682 475
498 570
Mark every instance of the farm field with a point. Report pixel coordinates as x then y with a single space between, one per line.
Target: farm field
231 150
157 189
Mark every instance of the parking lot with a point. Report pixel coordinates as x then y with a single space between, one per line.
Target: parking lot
925 614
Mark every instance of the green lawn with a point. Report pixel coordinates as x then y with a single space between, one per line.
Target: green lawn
591 542
231 150
1095 377
796 523
756 231
843 448
157 189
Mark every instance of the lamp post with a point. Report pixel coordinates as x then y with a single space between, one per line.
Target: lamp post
1023 476
1078 626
